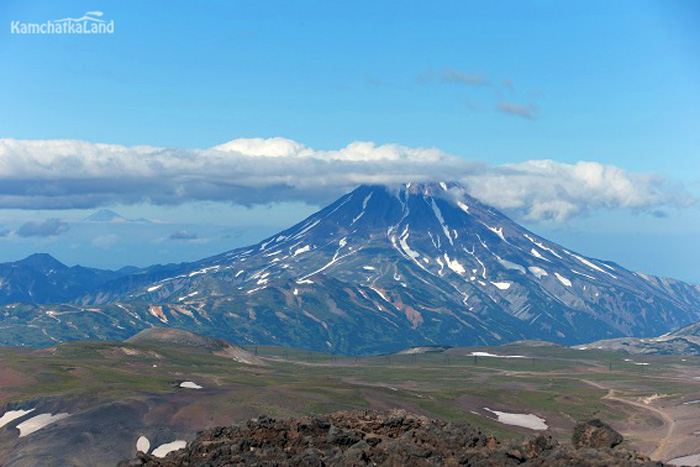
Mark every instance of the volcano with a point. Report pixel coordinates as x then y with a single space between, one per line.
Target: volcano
384 268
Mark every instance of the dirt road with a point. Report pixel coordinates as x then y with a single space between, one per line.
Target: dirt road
660 452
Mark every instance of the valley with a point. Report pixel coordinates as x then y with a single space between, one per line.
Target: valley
113 393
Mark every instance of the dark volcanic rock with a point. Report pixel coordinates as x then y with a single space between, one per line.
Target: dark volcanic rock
360 438
595 434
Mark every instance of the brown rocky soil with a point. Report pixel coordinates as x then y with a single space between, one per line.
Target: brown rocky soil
360 438
595 434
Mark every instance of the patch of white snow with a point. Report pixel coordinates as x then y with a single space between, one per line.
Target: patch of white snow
538 272
488 354
454 265
164 449
538 255
510 265
438 215
143 445
38 422
563 279
12 415
498 231
525 420
301 250
542 246
190 385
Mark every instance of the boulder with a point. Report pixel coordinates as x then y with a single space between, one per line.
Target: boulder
595 434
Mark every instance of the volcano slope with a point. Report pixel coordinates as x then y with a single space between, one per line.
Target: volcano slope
380 269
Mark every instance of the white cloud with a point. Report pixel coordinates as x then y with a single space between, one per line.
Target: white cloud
548 189
525 111
270 147
182 235
48 228
356 151
105 241
58 174
450 75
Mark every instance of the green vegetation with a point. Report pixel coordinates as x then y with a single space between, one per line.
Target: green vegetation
555 383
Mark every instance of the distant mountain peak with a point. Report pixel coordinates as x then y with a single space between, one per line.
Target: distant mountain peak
41 278
42 262
108 215
105 215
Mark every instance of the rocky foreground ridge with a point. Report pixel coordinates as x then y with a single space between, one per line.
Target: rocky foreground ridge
359 438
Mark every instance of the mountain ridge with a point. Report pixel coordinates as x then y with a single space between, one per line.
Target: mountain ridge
41 278
384 268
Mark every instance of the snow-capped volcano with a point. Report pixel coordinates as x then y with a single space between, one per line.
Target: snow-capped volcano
388 267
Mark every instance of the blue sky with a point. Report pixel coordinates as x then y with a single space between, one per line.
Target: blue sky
617 83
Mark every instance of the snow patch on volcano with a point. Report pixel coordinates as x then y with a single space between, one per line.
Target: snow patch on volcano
592 265
454 265
438 216
364 207
305 229
538 272
510 265
301 250
498 231
543 247
563 279
538 255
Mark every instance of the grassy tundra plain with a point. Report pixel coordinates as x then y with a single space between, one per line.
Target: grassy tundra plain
115 392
